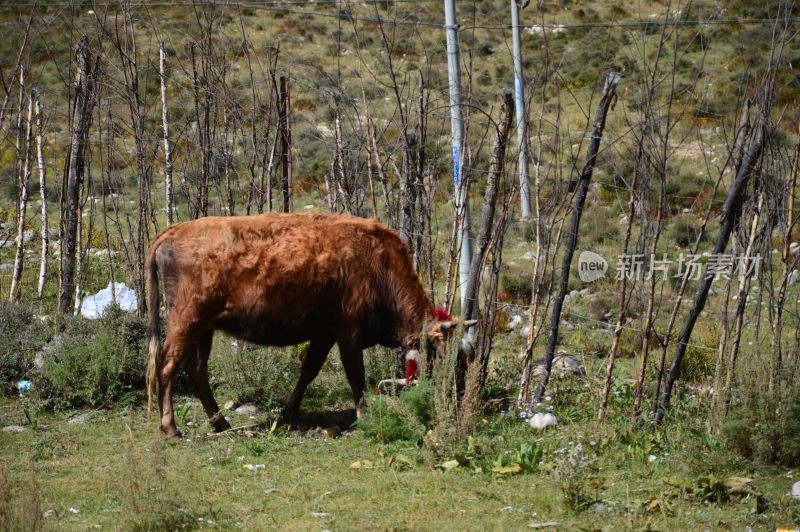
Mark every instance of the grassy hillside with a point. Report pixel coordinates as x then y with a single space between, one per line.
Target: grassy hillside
686 71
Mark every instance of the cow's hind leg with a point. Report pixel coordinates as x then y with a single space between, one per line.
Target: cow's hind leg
315 358
197 368
177 347
353 362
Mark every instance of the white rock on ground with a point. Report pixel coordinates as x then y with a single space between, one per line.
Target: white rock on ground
796 490
15 428
564 365
247 410
542 421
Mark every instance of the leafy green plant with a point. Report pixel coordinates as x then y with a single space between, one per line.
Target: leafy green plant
97 363
384 423
525 459
21 336
263 376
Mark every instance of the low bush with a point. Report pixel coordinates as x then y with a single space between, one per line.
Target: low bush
97 362
263 376
21 336
405 418
758 431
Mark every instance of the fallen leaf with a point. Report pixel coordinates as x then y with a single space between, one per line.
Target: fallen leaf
362 464
507 470
450 464
546 524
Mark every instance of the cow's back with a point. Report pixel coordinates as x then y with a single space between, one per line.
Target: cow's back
281 279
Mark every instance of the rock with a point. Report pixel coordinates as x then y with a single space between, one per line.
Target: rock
15 429
574 294
230 405
794 247
6 267
793 278
392 386
515 322
27 236
80 419
525 331
624 220
796 490
49 513
542 421
528 256
246 410
599 508
49 348
53 234
564 365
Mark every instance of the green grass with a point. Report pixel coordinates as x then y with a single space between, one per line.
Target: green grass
119 472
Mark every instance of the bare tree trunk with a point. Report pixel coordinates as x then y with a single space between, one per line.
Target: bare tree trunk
165 126
81 120
17 69
606 97
777 321
742 293
19 259
286 144
79 250
338 174
623 293
381 173
202 206
489 205
730 212
45 235
408 194
736 155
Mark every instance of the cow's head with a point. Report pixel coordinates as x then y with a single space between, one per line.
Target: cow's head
437 332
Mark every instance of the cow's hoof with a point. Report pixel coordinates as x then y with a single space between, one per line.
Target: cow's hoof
222 426
172 433
219 423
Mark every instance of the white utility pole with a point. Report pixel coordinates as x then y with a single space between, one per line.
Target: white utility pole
522 126
457 127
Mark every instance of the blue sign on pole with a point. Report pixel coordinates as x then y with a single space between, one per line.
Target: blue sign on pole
455 164
518 88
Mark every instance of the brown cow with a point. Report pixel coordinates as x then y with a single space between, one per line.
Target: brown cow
282 279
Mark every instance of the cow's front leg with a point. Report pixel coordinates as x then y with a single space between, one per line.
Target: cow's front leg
353 362
197 368
315 358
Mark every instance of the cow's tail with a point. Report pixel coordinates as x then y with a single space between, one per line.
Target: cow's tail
154 328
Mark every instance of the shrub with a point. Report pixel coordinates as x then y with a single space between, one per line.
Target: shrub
384 423
406 417
699 361
21 336
264 376
518 285
381 363
760 432
98 362
683 232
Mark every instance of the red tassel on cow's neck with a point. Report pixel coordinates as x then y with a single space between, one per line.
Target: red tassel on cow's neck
411 366
442 314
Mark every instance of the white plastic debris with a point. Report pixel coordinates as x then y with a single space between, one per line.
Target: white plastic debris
542 421
93 307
